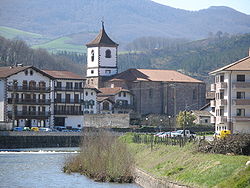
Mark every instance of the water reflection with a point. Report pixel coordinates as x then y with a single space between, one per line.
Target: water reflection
43 169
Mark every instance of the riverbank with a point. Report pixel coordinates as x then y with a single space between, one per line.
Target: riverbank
187 167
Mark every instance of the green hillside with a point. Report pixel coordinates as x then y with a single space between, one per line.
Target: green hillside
61 44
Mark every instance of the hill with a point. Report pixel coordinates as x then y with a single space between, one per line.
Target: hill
125 19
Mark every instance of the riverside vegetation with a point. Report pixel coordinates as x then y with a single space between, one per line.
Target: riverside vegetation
186 165
103 157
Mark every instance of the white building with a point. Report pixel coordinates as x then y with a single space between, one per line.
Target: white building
44 98
231 106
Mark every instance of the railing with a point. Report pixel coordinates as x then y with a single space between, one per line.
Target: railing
241 101
123 106
239 85
28 89
29 101
221 102
213 87
71 101
69 89
28 114
221 85
68 112
221 119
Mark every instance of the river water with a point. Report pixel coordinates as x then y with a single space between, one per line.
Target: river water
43 168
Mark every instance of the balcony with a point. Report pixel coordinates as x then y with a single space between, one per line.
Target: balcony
212 103
241 118
28 89
71 101
241 101
221 119
68 112
221 102
241 85
213 87
76 89
29 115
29 101
221 85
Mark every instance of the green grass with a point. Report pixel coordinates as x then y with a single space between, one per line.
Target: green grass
61 44
11 33
185 165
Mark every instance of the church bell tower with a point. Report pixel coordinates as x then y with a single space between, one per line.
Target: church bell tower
101 59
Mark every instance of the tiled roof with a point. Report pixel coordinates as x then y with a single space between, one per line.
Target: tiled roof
101 99
201 113
93 88
241 65
8 71
154 75
111 91
102 39
63 75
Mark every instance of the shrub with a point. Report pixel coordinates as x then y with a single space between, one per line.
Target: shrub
103 157
236 144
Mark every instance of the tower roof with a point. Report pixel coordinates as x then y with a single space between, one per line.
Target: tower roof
102 39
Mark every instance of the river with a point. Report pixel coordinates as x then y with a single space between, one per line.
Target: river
43 168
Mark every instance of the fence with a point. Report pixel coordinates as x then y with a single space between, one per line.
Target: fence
153 140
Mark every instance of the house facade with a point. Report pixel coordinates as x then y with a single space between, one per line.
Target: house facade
231 106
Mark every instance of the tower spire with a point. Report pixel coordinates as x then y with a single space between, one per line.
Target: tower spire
102 24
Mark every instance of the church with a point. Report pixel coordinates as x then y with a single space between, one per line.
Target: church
141 91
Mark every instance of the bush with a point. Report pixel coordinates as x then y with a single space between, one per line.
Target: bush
103 157
237 144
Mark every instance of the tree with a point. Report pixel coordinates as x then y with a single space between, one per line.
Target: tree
185 118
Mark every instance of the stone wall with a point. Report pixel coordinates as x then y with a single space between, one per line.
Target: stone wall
106 120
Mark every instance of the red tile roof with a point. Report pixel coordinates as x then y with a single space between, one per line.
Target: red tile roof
240 65
154 75
111 91
63 75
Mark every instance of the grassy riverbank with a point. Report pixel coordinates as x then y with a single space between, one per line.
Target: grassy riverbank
186 166
103 158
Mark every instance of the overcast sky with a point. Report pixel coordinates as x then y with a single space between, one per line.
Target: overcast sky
240 5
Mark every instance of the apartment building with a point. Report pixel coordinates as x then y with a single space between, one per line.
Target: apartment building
43 98
231 107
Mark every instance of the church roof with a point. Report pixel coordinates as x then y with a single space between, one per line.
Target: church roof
102 39
240 65
154 75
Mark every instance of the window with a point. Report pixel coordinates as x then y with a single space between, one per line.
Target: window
76 85
240 112
26 72
59 84
92 71
42 85
240 95
221 78
32 84
67 98
86 93
58 97
108 54
105 105
25 84
69 85
241 78
107 71
120 94
92 55
124 94
92 93
76 98
31 72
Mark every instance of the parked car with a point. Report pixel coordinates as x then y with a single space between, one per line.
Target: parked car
26 129
45 129
180 133
165 134
18 129
34 129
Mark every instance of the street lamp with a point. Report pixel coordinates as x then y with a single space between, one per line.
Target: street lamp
160 124
169 117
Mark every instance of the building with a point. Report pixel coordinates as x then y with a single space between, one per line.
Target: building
231 106
202 117
154 91
44 98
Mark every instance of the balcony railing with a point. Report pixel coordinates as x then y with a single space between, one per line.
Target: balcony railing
241 118
212 103
241 101
241 85
213 87
28 114
68 112
69 89
221 85
221 102
71 101
28 89
29 101
123 106
221 119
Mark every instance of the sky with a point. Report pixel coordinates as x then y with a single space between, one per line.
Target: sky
239 5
